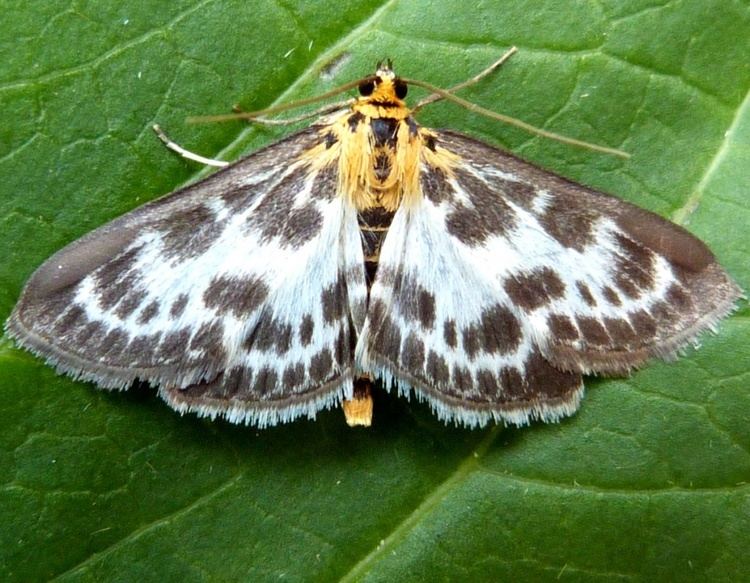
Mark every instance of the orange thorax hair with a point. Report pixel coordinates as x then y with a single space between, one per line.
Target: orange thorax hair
379 148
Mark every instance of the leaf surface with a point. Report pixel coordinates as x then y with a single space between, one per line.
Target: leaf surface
649 481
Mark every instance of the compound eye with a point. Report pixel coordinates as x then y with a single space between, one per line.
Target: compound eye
366 87
401 89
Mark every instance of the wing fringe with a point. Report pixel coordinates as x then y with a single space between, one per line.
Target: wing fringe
725 292
105 376
262 414
456 411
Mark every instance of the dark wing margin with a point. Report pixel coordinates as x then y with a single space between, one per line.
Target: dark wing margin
232 295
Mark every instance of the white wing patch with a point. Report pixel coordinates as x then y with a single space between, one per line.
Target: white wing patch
234 301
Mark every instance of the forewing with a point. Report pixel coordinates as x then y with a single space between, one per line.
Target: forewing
232 295
503 283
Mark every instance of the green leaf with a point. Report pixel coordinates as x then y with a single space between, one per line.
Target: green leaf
649 481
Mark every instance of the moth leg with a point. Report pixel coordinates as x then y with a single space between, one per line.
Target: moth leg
358 409
175 147
475 79
325 110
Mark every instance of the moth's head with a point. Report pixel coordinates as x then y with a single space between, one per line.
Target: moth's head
384 87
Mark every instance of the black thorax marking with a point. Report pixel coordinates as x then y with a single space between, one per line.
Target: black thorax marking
385 131
373 223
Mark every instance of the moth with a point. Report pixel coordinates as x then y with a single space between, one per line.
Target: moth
368 247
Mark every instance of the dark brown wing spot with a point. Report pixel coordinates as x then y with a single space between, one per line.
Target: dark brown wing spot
173 345
116 278
487 384
115 343
325 184
536 289
435 185
585 293
514 385
265 382
678 297
611 296
344 346
113 270
272 213
301 226
387 336
620 331
210 339
546 383
430 141
321 366
571 224
237 198
140 351
354 120
470 338
634 267
306 329
294 376
412 355
54 307
664 313
89 336
269 334
437 368
178 306
643 323
500 330
463 382
71 319
148 313
222 387
190 232
130 302
283 337
449 333
562 328
593 331
330 139
497 332
426 315
487 216
626 285
240 296
415 303
333 299
239 382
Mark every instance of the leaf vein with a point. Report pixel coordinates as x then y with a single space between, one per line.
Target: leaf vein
437 495
142 531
